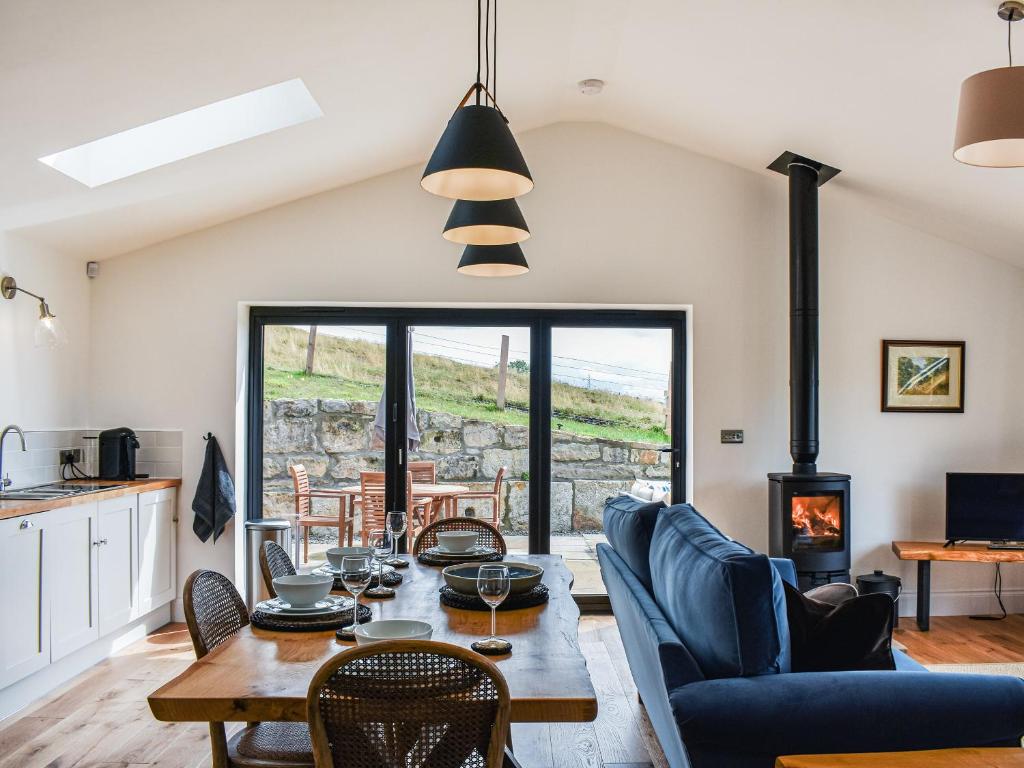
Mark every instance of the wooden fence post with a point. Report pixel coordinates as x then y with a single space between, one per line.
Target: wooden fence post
310 350
502 372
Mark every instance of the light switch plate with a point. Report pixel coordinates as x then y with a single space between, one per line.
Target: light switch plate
732 435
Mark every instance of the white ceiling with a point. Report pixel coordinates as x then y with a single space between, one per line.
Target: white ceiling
869 86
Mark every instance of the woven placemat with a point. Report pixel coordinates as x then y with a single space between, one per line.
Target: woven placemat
536 596
428 559
279 623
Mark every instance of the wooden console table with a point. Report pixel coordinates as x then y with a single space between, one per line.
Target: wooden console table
925 552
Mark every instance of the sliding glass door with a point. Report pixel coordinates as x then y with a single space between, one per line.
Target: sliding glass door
525 418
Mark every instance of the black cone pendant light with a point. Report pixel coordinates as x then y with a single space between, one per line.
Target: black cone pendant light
478 164
488 222
477 158
493 261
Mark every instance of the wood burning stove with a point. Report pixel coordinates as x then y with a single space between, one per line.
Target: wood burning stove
809 511
809 522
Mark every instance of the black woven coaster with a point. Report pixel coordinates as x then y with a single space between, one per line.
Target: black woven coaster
278 623
536 596
428 559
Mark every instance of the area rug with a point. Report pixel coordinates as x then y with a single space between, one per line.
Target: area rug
1015 668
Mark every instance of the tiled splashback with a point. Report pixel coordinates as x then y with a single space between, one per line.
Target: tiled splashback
159 454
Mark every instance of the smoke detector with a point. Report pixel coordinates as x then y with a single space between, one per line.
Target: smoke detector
591 86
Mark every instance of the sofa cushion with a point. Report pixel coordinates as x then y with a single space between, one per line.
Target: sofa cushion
629 525
724 600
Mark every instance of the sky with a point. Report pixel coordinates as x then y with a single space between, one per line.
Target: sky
634 361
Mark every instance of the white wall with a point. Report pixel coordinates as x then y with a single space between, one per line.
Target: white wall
618 219
43 388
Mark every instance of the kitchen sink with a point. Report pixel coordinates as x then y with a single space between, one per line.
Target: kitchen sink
53 491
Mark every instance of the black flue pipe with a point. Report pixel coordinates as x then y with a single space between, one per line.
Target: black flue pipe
803 317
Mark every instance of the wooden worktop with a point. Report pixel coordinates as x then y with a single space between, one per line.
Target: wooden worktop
964 553
14 508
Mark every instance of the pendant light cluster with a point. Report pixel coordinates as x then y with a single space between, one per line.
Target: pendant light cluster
478 164
990 122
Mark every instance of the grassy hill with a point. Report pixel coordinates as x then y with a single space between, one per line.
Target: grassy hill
354 369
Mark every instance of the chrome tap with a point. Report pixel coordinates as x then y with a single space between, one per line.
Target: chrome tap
5 480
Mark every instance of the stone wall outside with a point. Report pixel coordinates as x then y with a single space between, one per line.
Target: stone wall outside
334 440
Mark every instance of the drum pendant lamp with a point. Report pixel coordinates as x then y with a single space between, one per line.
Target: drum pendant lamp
477 157
486 222
990 121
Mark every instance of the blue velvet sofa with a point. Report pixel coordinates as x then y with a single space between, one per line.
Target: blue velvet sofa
703 622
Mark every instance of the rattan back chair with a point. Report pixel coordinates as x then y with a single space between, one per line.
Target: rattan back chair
408 703
274 562
489 536
214 612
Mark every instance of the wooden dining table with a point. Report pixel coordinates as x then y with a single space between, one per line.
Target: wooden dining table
260 675
444 496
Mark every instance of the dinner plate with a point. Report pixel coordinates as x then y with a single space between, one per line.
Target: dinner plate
477 551
330 570
330 604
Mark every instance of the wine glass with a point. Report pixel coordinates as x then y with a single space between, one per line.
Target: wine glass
355 575
396 527
493 584
380 547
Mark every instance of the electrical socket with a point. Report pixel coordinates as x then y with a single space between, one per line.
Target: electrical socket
70 456
732 435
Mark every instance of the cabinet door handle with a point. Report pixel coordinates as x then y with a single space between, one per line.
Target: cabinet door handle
26 524
97 543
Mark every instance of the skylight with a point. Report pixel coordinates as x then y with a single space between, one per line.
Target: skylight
188 133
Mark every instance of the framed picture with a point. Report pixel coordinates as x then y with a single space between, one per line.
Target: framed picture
925 376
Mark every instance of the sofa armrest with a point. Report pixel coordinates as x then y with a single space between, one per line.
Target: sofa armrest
786 569
828 712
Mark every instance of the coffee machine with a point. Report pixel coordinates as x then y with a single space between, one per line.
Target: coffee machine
117 454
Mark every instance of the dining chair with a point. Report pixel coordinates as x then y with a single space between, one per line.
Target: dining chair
425 473
408 702
375 511
215 612
306 517
493 495
489 535
274 562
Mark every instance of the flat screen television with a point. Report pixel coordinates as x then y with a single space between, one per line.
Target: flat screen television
984 507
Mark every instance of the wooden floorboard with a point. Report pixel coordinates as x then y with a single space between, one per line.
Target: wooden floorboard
100 719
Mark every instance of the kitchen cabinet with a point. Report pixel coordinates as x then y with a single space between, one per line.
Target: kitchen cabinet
70 559
75 574
117 561
25 640
158 511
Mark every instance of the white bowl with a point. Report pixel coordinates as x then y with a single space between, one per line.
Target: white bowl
392 629
303 590
336 554
457 541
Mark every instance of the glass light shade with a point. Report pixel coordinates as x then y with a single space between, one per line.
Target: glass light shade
477 158
49 332
486 222
990 121
493 261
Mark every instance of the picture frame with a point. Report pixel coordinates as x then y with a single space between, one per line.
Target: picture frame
923 376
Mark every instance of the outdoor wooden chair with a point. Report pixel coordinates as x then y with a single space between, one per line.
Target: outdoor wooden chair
494 496
489 536
274 562
215 612
424 472
375 511
408 702
305 518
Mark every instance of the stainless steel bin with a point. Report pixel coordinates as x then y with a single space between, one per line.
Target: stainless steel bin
257 532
